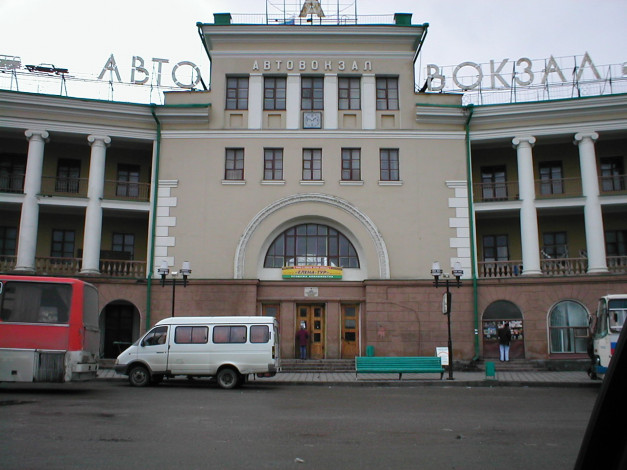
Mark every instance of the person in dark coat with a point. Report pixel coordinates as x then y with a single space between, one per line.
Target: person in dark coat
505 337
302 337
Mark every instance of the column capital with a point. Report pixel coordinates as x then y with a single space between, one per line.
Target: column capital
36 133
94 138
581 136
529 139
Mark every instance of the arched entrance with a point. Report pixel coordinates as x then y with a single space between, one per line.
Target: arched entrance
493 316
119 324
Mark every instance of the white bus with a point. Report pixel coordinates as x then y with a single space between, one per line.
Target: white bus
605 328
227 348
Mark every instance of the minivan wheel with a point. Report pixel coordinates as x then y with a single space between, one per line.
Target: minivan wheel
139 376
228 378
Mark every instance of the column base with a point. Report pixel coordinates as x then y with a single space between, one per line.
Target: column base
531 272
89 272
24 269
599 270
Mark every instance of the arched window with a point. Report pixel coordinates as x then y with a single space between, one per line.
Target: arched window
311 245
568 327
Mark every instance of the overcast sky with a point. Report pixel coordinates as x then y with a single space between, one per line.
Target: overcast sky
81 34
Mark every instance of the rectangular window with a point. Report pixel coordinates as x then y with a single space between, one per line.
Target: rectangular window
237 93
351 164
259 334
493 183
68 176
128 179
616 242
274 93
12 171
62 244
388 165
387 93
33 302
554 245
312 164
272 164
229 334
551 178
234 164
191 335
349 92
8 241
612 174
124 242
495 248
311 93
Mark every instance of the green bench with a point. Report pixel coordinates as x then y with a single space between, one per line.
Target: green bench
398 365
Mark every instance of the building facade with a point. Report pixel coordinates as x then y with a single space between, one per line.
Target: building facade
313 183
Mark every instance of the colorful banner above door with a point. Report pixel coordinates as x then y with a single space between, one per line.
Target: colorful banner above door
312 272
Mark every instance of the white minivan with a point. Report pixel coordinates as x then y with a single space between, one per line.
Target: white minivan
227 348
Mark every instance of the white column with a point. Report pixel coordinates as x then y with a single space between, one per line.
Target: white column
292 112
368 102
593 217
528 215
93 214
255 101
330 101
29 219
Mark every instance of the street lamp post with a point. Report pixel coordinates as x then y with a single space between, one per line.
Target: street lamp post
447 301
163 271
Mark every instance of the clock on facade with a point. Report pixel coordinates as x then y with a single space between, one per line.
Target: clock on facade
312 120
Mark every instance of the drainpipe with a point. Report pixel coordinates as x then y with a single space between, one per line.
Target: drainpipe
155 189
471 217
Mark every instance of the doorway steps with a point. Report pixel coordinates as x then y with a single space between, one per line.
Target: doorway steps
318 365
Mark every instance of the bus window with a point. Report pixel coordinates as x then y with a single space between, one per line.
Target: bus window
259 334
32 302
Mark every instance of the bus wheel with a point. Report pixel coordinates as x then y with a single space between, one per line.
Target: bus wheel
139 376
228 378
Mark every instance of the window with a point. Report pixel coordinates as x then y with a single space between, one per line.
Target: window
8 241
128 179
62 244
234 164
349 93
259 334
311 93
272 164
156 336
124 242
68 176
351 164
312 164
191 334
616 242
551 179
33 302
554 245
12 171
493 183
568 328
311 245
495 248
274 92
387 93
612 174
237 93
229 334
388 163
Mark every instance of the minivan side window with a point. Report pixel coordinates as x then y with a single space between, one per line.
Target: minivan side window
156 336
191 334
259 334
229 334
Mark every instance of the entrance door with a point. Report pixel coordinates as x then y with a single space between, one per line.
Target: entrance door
313 317
118 329
350 331
494 316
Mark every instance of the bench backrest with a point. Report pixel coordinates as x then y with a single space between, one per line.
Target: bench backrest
376 362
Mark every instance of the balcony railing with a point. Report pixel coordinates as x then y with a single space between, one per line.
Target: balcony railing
558 188
554 267
615 184
496 191
491 269
12 184
77 187
72 267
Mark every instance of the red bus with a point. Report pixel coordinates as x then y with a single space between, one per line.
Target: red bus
48 329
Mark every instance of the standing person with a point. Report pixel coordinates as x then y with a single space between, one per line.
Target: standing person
505 337
302 337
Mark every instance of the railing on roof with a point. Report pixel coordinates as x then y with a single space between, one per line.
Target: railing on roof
277 19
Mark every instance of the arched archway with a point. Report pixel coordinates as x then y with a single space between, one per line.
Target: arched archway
119 326
494 315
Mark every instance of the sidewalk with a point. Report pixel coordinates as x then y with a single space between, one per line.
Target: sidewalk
460 379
